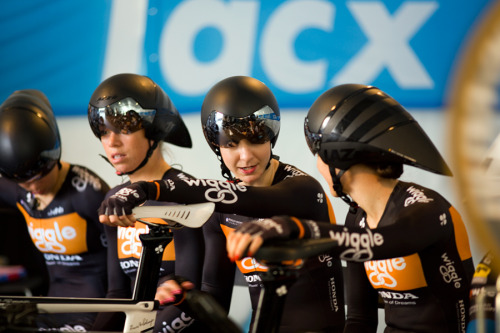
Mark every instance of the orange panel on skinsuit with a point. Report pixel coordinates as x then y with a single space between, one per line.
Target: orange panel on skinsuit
403 273
461 238
248 264
130 246
65 234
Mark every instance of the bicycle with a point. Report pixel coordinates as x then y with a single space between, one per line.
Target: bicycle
282 257
19 312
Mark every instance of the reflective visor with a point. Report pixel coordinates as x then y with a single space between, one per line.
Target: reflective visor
125 117
40 170
226 131
313 139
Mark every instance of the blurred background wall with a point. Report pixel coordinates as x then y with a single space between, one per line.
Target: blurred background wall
299 48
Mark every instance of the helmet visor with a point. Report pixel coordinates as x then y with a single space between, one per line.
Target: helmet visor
313 139
226 131
125 116
38 171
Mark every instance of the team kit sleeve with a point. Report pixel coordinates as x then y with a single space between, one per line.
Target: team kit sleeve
218 270
296 196
118 285
362 300
189 252
427 225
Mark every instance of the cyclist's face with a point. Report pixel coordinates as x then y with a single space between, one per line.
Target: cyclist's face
125 151
324 170
41 184
247 161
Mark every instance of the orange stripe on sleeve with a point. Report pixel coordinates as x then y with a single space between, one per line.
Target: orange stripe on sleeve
331 213
301 227
157 190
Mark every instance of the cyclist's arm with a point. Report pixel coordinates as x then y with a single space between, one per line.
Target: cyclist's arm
361 300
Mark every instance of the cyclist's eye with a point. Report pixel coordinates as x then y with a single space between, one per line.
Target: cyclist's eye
104 132
231 144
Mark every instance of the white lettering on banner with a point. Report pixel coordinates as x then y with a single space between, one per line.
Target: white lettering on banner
277 50
246 35
388 44
235 20
51 239
127 26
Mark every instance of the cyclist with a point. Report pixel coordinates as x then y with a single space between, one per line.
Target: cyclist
131 115
403 243
59 203
241 121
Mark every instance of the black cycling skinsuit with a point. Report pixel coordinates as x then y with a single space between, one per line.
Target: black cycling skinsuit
183 257
319 288
417 260
70 236
484 279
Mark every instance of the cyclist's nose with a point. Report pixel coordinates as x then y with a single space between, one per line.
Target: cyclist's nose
245 150
114 139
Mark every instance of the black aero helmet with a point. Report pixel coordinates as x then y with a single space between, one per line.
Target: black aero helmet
354 123
236 108
240 107
125 103
30 144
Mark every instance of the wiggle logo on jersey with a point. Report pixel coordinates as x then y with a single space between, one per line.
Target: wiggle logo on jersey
396 273
178 324
294 171
220 192
448 271
380 271
130 245
359 245
83 178
249 264
65 234
416 196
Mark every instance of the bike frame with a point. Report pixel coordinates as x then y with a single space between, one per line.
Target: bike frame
140 310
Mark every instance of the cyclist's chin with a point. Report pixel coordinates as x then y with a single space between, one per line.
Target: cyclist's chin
250 180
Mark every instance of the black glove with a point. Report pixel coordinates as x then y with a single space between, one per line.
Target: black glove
277 227
122 202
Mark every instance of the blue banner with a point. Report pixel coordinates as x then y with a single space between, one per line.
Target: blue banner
299 48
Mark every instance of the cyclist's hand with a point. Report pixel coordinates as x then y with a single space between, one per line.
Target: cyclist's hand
117 209
170 289
250 236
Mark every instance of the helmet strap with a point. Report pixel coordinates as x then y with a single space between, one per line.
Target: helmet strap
337 187
143 163
226 173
